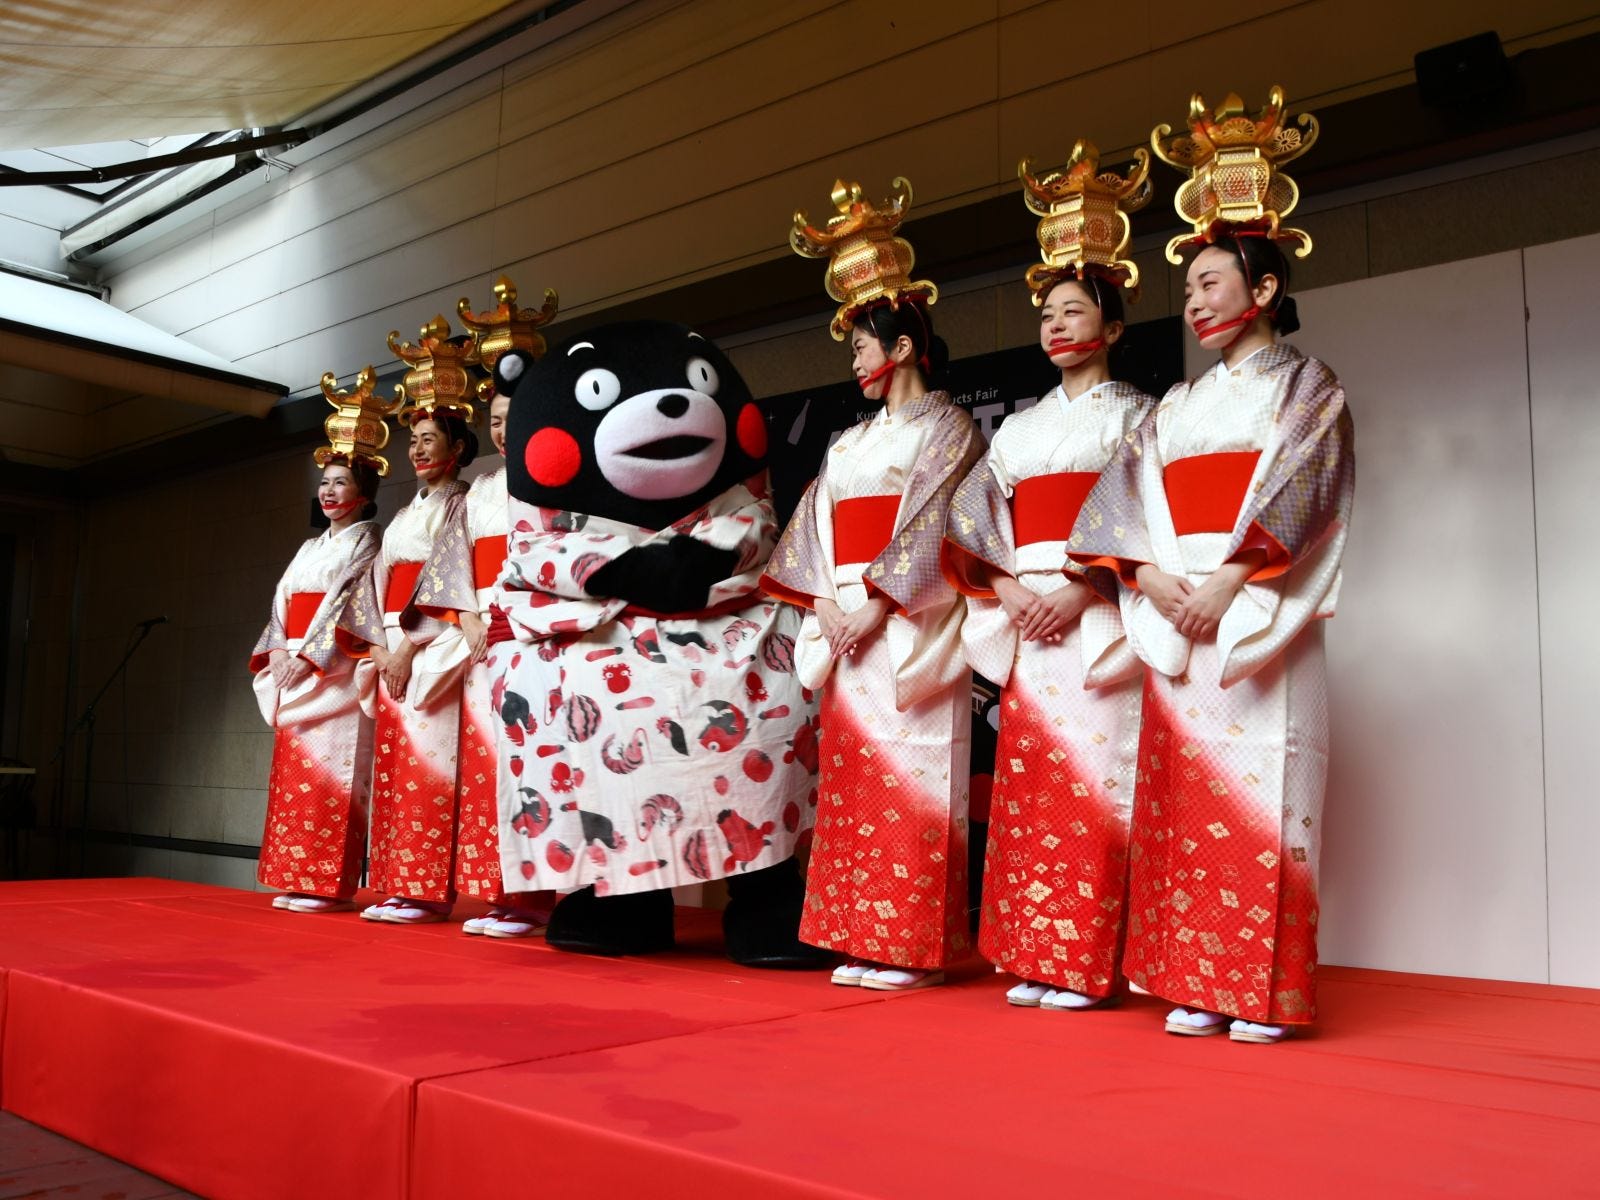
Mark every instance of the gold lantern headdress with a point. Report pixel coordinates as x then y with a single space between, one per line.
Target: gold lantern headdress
1083 211
506 327
359 425
1236 182
437 379
868 264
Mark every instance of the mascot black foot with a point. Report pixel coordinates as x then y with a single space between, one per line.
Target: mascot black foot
763 912
640 923
656 733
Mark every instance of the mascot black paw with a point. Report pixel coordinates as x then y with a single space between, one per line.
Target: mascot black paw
657 735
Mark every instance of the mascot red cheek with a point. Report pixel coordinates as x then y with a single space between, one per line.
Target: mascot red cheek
636 468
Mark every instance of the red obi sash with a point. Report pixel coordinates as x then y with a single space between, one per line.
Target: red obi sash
403 578
862 527
488 556
1206 492
1045 508
302 607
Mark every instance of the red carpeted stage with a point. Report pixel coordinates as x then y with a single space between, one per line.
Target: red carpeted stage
242 1052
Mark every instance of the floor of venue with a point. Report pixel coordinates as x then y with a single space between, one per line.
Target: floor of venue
238 1051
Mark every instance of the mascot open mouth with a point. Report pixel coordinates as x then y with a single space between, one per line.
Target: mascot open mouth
680 446
662 444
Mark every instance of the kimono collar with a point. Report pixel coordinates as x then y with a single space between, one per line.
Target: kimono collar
912 409
1268 358
330 534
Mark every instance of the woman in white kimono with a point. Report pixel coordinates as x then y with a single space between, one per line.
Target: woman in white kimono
479 541
319 701
1056 865
1226 520
421 661
886 884
1055 871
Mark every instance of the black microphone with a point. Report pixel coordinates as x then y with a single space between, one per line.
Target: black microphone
153 621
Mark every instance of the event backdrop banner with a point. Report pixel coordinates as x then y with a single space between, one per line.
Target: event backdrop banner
991 387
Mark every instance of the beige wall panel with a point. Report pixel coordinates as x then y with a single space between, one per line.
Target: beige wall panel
374 285
184 257
141 419
215 293
625 54
736 110
1498 211
1340 238
809 358
1019 319
1312 49
343 183
756 147
245 816
26 242
969 324
391 160
249 232
1114 107
159 290
1051 42
1434 858
344 346
122 258
394 222
41 436
1178 20
1564 375
750 221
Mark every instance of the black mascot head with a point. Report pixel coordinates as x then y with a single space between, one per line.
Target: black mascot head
641 422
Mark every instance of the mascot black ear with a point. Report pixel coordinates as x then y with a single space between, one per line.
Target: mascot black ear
510 369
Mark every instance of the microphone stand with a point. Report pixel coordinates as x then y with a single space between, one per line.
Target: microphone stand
85 722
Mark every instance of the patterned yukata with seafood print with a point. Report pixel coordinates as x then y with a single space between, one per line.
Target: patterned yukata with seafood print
414 775
1055 871
642 751
316 831
887 881
1233 754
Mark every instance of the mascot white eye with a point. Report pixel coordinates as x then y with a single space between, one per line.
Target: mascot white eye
703 376
597 388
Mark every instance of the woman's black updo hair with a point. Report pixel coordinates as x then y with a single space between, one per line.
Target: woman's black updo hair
888 324
366 480
1259 257
455 430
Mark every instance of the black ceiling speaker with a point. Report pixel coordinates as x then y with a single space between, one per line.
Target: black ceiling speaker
1465 72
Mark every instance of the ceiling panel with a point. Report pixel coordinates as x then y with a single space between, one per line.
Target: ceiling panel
84 71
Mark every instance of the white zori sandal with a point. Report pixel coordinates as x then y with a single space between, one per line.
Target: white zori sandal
1261 1035
515 923
480 925
295 902
1027 995
849 975
398 911
1198 1023
900 979
1062 1000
